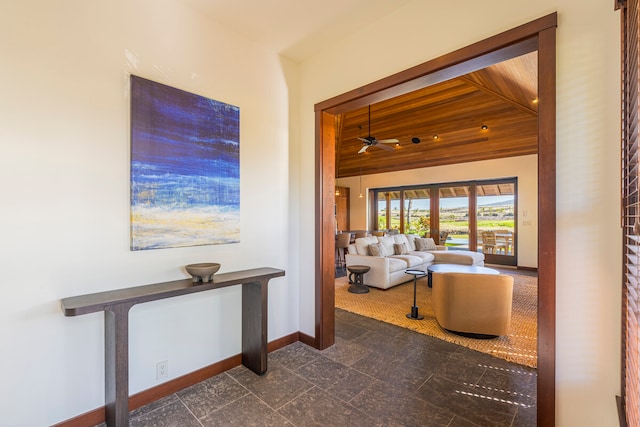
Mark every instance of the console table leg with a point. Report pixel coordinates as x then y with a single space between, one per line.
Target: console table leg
116 365
254 326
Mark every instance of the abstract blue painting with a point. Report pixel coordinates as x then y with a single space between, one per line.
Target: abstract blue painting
185 168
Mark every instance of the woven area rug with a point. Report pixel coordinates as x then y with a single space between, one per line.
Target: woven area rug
392 305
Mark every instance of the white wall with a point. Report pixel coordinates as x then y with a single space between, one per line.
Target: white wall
64 180
588 104
523 167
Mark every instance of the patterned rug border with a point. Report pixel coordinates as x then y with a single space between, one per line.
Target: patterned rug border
392 305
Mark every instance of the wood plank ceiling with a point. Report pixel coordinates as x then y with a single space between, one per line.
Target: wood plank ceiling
447 118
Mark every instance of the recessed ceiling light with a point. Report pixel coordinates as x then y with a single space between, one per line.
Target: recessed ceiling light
415 140
435 137
535 101
484 127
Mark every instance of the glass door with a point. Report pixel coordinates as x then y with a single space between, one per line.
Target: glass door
388 210
453 216
417 211
472 215
496 222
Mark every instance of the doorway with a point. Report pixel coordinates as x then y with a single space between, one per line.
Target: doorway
537 35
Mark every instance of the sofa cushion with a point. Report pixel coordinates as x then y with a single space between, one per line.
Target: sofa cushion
387 242
426 256
411 238
425 244
362 244
377 249
400 239
410 260
400 249
396 264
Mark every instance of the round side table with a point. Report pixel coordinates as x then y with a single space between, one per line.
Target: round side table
356 279
414 308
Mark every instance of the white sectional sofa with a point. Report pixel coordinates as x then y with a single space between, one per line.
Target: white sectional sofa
389 264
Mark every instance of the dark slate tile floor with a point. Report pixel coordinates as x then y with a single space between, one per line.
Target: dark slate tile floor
375 375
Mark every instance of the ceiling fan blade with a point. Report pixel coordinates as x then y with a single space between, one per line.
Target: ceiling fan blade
365 140
363 149
389 141
385 147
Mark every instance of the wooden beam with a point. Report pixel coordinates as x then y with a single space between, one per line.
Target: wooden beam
517 105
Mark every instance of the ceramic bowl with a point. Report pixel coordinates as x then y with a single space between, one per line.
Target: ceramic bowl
202 272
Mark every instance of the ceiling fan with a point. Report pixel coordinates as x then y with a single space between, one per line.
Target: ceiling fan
370 141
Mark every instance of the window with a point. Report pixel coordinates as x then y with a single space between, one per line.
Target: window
417 212
388 210
455 215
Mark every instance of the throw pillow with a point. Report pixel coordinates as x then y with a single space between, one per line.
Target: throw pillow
362 244
400 249
425 244
387 242
376 249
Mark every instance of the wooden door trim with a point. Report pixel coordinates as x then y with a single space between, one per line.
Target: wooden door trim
546 226
536 35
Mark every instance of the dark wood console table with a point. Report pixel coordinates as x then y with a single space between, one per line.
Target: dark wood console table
116 305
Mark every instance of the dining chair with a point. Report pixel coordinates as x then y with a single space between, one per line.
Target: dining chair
506 237
490 245
443 238
342 243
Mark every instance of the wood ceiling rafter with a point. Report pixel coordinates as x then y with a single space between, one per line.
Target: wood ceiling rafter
516 104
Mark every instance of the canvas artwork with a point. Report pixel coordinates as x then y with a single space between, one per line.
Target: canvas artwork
185 168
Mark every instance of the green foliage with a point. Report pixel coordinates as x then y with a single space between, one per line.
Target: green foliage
455 221
458 227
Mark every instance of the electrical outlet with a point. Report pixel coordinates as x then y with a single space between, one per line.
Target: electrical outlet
162 370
